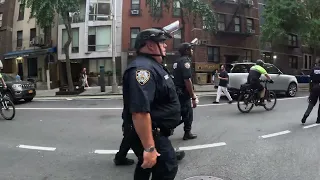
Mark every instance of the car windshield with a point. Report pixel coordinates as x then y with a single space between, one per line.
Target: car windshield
7 77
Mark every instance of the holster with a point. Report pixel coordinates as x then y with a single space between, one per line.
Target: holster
162 132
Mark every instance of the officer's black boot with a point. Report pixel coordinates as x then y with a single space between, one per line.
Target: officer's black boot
188 135
318 121
303 120
123 161
180 155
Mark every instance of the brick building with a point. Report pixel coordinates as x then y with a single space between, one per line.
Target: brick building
6 24
236 41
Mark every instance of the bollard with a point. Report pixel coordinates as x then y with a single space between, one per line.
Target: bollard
102 80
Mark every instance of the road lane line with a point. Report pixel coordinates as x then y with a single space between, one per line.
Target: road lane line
101 151
188 148
116 108
310 126
37 148
121 108
275 134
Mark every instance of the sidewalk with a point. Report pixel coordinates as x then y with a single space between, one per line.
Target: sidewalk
95 91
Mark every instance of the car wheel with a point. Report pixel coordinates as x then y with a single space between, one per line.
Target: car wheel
28 99
292 90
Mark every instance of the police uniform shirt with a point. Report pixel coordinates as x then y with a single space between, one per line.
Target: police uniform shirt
315 75
181 71
148 88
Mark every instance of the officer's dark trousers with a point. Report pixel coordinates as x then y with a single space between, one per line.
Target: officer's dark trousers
125 143
313 99
186 112
166 167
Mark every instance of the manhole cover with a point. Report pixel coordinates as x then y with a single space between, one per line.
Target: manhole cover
203 178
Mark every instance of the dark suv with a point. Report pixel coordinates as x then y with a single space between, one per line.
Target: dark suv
17 90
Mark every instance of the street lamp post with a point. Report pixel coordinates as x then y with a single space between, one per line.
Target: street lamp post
115 88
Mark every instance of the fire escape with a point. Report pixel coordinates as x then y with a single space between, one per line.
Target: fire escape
241 7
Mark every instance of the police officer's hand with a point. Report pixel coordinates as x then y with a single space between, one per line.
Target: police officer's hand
194 103
149 159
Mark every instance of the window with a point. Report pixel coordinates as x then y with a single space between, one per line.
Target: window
33 34
157 9
99 38
248 55
267 57
2 1
204 22
307 61
293 62
21 12
177 39
75 40
19 39
271 69
221 22
241 68
213 54
292 40
237 24
249 25
1 16
133 35
177 8
135 4
64 39
99 10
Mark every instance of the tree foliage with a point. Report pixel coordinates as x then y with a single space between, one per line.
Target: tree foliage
44 11
197 8
282 17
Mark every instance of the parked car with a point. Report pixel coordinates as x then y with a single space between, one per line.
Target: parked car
18 90
303 78
282 83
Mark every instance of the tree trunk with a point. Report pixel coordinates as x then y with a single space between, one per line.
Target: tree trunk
183 23
67 22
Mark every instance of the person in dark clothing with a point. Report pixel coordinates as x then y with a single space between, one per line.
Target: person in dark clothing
182 80
314 92
151 106
121 156
223 83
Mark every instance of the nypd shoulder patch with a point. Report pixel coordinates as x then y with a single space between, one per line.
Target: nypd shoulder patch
187 65
142 76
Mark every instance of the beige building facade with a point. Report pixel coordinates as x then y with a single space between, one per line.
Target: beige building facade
33 54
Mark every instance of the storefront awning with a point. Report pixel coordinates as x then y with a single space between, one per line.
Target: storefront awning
26 53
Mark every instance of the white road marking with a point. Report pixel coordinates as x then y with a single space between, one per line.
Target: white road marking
70 108
275 134
110 151
310 126
121 108
69 99
187 148
37 148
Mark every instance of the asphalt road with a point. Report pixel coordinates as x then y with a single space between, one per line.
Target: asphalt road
54 140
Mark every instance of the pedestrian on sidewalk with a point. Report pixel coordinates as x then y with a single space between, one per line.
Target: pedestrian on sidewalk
215 79
223 84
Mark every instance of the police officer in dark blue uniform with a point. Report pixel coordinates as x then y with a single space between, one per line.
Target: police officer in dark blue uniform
182 80
314 92
152 106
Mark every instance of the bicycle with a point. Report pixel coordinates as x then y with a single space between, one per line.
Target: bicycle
251 97
5 103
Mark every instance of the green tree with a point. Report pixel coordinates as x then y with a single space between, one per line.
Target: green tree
282 17
44 11
189 8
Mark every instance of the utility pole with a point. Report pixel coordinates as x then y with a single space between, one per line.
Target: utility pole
115 88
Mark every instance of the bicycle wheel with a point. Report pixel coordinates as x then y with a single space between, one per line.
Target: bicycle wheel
6 103
270 95
245 99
